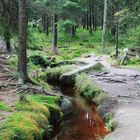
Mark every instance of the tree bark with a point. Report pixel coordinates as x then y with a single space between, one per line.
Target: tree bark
90 16
47 25
22 54
104 25
117 36
8 45
73 29
7 40
54 34
87 21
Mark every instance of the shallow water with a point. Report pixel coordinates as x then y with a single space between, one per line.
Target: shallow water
84 124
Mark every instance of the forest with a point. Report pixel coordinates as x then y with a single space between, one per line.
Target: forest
69 69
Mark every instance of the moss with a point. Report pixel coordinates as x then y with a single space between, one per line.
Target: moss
49 101
99 67
21 126
86 88
52 103
3 106
32 106
53 74
31 119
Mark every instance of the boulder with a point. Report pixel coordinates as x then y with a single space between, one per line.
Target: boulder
69 77
66 107
128 54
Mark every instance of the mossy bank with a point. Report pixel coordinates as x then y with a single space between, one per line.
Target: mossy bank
93 94
31 118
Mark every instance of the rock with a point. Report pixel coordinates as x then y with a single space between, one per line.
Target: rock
135 51
107 106
127 55
66 107
69 78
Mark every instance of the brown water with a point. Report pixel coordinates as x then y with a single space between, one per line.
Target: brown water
84 124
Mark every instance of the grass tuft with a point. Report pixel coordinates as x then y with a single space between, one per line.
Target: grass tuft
86 88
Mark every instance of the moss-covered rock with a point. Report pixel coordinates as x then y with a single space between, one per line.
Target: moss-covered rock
69 77
54 74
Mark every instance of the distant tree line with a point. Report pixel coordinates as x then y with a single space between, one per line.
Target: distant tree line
109 15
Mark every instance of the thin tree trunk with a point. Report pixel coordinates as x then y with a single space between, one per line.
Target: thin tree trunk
104 25
7 39
43 22
54 37
73 29
47 25
8 45
22 54
87 20
117 36
90 16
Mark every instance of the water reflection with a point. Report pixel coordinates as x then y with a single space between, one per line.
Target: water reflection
85 123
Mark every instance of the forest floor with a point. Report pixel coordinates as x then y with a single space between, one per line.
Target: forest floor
7 88
123 85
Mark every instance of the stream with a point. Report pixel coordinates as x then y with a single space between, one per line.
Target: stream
84 124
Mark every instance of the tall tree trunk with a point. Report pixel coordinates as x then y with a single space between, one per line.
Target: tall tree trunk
7 38
117 36
73 29
22 54
104 25
54 36
47 25
87 20
8 45
84 21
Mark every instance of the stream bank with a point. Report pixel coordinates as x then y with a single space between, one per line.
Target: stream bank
123 86
84 123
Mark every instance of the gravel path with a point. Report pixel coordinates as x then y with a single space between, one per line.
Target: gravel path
123 85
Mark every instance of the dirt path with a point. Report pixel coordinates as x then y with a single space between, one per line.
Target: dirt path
124 86
7 91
